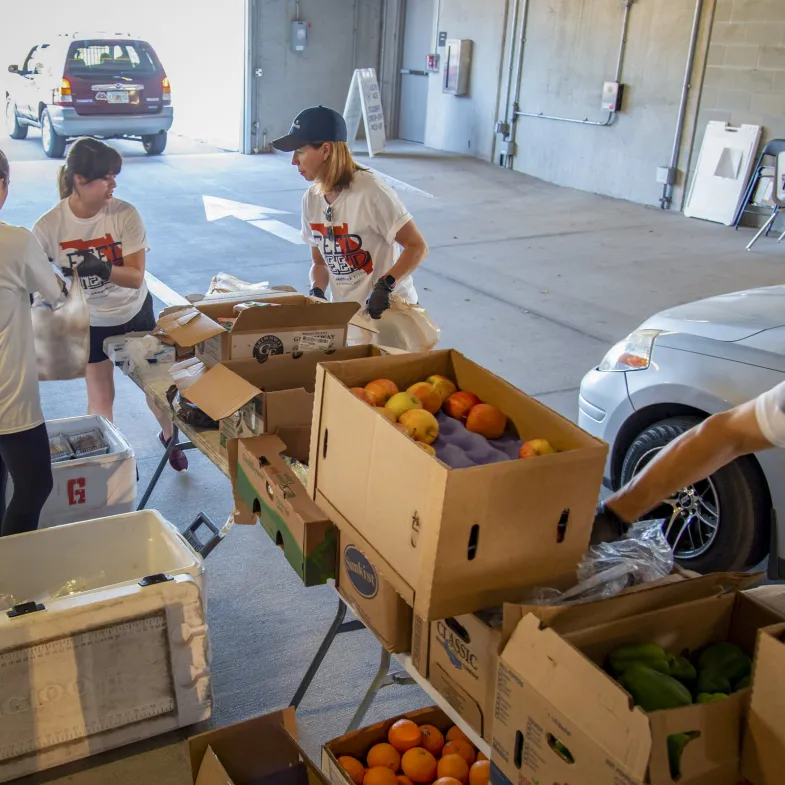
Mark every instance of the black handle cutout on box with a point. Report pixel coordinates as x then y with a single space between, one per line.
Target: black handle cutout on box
561 526
263 462
324 447
560 749
256 509
23 608
458 629
474 539
517 758
279 539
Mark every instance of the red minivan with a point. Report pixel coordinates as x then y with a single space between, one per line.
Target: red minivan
111 86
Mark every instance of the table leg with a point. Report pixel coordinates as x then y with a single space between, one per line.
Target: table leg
159 469
381 679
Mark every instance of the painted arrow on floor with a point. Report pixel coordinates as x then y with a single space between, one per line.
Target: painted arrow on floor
216 208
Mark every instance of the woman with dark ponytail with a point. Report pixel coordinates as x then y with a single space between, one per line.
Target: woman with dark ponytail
106 238
24 444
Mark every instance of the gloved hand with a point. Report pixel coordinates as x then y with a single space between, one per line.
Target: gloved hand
379 300
608 526
317 292
90 266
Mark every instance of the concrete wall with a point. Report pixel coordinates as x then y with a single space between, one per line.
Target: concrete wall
745 70
571 49
465 124
322 73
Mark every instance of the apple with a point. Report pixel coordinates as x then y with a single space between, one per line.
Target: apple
427 448
401 402
404 429
387 413
444 386
459 404
486 420
363 395
381 390
424 426
535 447
431 400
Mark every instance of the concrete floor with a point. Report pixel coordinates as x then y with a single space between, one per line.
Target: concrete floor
533 281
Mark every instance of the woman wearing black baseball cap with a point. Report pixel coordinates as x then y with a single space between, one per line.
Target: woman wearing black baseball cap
364 242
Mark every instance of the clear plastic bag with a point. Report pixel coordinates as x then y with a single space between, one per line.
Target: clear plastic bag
62 335
642 556
223 283
404 326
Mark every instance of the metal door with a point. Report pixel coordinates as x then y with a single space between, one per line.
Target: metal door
417 35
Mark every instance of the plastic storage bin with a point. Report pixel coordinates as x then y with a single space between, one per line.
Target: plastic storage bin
122 657
91 486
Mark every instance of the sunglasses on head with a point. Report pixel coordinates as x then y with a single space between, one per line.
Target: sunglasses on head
328 216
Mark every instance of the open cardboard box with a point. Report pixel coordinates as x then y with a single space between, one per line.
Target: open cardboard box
266 489
261 751
456 541
298 324
763 760
249 398
551 688
463 655
357 743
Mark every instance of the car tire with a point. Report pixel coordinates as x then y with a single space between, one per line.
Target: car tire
737 542
15 129
52 142
154 144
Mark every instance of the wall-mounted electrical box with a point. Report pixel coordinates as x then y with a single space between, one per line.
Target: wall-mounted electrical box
612 93
457 66
299 36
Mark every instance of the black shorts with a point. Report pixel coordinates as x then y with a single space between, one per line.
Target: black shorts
144 321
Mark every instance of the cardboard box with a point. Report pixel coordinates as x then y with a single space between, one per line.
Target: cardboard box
372 598
463 655
551 688
359 742
302 324
265 488
261 751
763 760
250 399
458 540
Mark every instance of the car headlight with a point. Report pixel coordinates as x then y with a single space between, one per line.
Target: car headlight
631 354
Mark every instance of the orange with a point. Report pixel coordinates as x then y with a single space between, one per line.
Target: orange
380 775
447 781
460 747
456 733
404 780
454 766
419 766
404 735
384 755
480 773
353 768
432 739
481 756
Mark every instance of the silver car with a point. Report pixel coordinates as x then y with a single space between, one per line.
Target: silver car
677 368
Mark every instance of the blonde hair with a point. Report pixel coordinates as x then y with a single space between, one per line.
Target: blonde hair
339 168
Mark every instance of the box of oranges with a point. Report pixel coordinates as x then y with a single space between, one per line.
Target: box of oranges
420 748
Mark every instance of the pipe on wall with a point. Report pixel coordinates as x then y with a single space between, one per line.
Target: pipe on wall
666 200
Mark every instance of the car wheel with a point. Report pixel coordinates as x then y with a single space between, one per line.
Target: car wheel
714 525
15 129
53 143
154 144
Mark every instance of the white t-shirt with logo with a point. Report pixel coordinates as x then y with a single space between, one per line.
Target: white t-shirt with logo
113 233
358 242
24 269
770 414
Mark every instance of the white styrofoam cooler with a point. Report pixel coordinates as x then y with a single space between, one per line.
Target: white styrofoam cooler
118 660
89 487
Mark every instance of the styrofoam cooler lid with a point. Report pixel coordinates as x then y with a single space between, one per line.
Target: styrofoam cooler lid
92 555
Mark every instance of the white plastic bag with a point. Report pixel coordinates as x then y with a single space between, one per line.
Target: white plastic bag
404 326
62 335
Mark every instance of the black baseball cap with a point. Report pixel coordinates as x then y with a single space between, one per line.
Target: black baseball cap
316 124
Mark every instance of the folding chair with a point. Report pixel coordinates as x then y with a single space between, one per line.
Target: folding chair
777 196
772 149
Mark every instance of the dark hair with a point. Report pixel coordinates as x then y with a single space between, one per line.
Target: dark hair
5 169
90 159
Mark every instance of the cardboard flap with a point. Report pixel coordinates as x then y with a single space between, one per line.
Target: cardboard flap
187 326
211 772
306 315
561 674
221 392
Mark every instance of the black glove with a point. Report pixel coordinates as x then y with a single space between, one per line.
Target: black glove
608 526
379 301
317 292
90 266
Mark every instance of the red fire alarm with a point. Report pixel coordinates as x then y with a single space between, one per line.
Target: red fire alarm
432 63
